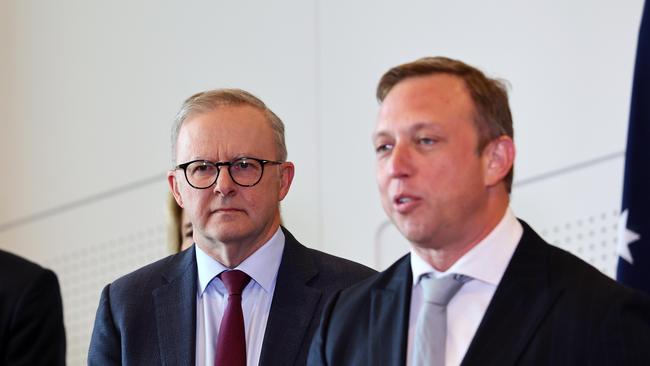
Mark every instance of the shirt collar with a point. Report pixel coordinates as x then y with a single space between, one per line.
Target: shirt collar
262 266
487 261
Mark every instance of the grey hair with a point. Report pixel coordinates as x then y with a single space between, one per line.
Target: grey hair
209 100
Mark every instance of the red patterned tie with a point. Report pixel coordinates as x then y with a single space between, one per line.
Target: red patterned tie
231 342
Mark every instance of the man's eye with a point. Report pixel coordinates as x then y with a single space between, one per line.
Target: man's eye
383 148
246 166
201 169
427 141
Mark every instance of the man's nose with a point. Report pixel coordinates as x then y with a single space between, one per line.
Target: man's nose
224 184
400 161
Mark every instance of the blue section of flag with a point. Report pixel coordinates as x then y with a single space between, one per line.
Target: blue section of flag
636 190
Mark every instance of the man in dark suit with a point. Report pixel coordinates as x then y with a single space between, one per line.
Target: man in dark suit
479 287
31 314
247 292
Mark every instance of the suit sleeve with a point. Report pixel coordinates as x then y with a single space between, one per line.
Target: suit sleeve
37 325
317 353
105 340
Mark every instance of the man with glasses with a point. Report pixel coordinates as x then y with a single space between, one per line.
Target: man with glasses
247 292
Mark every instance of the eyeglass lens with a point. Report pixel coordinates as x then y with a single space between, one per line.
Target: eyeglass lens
245 172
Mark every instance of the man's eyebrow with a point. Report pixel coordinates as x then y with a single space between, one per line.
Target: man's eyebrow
378 134
431 125
418 126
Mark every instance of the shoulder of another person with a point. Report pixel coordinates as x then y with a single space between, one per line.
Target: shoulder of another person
18 273
14 265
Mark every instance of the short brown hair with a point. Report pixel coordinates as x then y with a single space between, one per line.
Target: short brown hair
208 100
490 96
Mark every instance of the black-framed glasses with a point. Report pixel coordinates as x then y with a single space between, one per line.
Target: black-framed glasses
245 171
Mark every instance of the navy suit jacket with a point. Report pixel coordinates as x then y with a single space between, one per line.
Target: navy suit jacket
31 314
550 308
148 317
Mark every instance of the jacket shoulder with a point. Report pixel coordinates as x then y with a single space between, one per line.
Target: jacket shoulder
568 271
18 267
334 265
325 270
18 273
395 279
153 275
580 276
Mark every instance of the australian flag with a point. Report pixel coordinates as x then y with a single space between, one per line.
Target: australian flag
634 227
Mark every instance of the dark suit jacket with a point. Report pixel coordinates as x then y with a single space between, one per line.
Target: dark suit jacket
149 316
550 308
31 314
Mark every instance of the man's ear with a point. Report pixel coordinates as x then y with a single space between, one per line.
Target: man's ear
286 177
173 187
498 158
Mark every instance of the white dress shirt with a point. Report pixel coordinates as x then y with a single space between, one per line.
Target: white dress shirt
212 297
485 264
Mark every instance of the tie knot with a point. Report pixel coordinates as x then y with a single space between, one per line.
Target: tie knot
235 281
439 291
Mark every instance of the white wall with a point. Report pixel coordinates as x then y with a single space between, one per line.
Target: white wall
89 90
5 126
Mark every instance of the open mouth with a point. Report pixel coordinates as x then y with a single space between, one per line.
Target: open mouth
402 200
405 203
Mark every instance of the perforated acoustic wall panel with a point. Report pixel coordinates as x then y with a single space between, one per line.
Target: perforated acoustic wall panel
85 271
593 238
95 244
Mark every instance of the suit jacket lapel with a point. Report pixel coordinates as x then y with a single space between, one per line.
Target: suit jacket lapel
520 302
293 306
175 307
389 317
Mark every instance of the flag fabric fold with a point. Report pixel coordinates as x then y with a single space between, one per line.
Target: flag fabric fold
634 226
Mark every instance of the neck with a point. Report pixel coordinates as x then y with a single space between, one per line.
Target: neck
232 253
443 256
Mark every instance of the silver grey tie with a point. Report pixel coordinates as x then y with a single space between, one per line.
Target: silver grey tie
431 326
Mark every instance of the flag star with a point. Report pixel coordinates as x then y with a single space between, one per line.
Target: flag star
625 237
